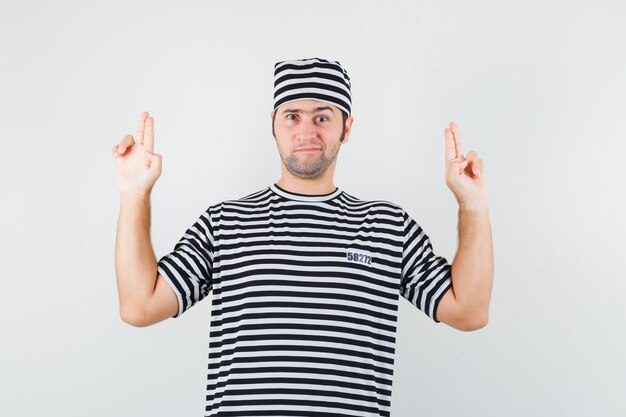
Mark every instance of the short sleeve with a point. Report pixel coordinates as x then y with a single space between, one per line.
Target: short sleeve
425 276
188 268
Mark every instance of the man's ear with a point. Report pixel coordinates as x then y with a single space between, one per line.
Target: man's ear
348 128
349 121
271 115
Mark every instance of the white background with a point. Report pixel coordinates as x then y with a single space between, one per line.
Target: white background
538 89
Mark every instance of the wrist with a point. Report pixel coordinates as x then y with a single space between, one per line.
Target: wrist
473 207
134 196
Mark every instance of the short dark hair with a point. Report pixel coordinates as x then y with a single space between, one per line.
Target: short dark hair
344 116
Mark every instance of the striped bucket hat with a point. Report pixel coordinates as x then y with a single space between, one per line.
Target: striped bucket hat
313 79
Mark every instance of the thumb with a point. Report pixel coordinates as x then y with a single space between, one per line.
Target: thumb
459 164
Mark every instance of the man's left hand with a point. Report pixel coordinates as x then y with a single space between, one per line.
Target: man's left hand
465 176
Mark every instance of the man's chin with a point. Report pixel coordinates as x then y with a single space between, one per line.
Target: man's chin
307 174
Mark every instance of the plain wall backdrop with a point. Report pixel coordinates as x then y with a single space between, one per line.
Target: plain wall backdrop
538 89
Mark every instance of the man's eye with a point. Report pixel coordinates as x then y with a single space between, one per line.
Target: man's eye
289 115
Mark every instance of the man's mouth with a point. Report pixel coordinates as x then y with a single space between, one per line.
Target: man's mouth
309 149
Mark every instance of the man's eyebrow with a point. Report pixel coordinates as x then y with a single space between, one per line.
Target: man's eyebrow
313 111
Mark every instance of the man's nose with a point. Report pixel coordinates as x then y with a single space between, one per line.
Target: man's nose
306 130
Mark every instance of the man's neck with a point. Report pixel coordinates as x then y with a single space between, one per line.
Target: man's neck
307 187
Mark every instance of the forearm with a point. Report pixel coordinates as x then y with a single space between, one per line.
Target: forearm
472 269
135 263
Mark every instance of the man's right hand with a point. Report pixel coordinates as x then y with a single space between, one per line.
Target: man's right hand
138 168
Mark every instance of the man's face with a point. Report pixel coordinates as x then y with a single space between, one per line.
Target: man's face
309 134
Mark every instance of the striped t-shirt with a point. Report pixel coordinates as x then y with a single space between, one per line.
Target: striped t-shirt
305 299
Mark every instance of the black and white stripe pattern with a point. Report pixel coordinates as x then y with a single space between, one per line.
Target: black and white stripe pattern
305 299
312 78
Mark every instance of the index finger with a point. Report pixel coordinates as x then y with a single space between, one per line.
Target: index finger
141 126
457 139
148 134
450 146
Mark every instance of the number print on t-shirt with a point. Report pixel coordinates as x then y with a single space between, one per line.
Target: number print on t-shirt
359 257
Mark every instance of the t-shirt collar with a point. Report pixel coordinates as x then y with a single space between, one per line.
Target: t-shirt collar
304 197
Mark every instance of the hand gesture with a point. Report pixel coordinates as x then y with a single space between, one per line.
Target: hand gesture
138 167
464 176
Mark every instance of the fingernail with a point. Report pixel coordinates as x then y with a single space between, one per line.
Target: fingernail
121 149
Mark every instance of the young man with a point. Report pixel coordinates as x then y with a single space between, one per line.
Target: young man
305 277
